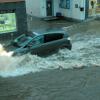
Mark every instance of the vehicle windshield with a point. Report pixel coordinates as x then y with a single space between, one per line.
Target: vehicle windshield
24 39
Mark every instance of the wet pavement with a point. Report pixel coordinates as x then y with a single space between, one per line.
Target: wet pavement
83 84
66 75
35 24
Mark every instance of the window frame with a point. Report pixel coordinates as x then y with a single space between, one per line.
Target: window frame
65 4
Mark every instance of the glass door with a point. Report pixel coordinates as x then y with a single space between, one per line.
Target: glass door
49 7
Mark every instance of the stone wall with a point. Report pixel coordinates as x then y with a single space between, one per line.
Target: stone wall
21 18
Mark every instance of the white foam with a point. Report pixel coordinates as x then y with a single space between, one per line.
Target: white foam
83 54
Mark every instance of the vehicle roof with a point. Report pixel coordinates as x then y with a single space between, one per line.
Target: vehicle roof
41 32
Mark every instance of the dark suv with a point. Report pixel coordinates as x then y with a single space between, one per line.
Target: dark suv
41 43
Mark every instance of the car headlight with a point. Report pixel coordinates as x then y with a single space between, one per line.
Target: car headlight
69 38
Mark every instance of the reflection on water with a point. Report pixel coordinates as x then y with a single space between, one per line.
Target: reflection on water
84 53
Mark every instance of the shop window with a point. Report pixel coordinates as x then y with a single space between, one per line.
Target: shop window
65 4
7 22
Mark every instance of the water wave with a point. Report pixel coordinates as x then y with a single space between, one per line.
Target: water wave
84 54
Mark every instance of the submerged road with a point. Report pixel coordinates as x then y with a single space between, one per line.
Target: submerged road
77 84
66 75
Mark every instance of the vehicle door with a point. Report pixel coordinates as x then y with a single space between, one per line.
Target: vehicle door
51 43
35 44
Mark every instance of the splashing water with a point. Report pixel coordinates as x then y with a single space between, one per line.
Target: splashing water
85 52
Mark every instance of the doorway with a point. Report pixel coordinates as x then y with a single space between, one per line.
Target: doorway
49 6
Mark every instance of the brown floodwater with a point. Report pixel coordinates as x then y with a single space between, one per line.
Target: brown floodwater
85 52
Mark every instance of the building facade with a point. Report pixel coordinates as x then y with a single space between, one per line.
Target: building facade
68 8
75 9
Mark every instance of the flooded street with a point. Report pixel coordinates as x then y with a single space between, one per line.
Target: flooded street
65 75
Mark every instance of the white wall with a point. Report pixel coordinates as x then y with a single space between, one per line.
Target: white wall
76 13
55 7
33 7
38 8
43 8
67 12
73 12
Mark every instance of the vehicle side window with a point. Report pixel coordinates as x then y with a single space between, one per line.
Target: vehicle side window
36 40
52 37
32 43
39 39
23 39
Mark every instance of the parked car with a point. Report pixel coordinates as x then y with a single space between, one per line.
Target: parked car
41 43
